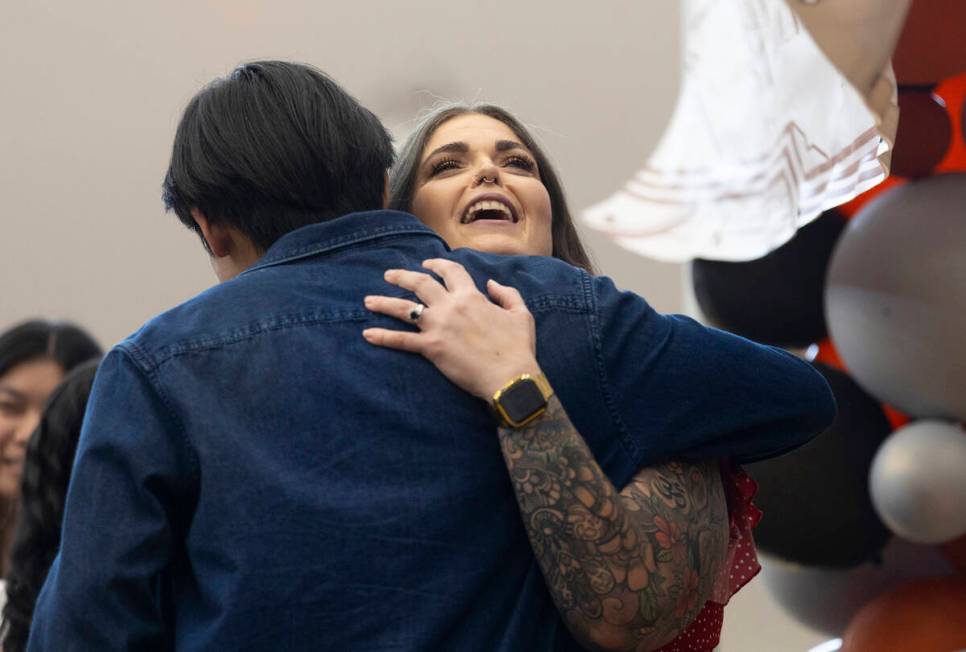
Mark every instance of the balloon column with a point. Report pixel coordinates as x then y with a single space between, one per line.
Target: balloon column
924 615
878 288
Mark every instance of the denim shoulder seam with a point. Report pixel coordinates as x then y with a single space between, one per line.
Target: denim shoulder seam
341 242
565 302
594 315
253 329
145 366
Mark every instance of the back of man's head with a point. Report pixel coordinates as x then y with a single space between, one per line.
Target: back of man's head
272 147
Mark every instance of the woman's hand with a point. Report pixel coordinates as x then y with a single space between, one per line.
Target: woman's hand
476 343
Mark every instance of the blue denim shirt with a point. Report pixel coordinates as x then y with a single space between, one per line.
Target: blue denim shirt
252 475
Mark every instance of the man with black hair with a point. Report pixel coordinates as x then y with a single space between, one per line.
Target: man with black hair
272 148
253 475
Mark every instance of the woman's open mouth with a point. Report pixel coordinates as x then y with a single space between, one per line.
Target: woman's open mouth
491 208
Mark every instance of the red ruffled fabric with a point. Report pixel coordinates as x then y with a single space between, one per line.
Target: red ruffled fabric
741 565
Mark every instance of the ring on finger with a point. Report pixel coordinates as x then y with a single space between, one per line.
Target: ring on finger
416 312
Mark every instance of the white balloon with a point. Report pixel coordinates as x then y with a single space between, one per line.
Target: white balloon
918 481
894 297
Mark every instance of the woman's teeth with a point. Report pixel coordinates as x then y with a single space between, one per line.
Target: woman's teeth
487 210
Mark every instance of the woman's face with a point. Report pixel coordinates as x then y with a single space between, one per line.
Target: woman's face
478 186
23 393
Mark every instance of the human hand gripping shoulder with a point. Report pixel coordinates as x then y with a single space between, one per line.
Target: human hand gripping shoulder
626 570
477 344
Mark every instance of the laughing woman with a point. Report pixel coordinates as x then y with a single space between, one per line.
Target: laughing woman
34 356
640 567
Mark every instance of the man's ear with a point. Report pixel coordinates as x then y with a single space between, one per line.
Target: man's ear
385 190
216 235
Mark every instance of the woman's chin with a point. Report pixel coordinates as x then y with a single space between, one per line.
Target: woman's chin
496 243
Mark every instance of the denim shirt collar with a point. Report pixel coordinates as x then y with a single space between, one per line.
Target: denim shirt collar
345 231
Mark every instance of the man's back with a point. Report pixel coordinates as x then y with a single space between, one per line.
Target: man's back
273 481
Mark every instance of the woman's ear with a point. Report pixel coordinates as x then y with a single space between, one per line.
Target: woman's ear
216 235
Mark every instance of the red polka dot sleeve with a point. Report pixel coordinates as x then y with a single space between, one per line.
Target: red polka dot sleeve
740 566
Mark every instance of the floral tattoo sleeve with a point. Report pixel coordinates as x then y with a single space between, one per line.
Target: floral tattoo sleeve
627 570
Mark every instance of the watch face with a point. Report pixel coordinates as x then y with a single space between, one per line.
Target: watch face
522 400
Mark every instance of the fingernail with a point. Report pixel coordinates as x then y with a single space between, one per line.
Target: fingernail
367 334
367 301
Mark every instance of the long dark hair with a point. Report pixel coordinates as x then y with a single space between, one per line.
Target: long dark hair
66 344
402 180
46 471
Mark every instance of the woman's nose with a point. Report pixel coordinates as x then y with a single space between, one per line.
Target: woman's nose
26 428
487 173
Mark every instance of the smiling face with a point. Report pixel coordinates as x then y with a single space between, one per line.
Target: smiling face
23 393
478 186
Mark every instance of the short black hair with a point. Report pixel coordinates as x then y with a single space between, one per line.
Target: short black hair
275 146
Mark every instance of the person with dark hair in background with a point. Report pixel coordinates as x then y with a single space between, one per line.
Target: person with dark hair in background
266 478
46 471
34 356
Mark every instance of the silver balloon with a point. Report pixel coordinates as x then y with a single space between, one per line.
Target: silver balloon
918 481
825 599
895 299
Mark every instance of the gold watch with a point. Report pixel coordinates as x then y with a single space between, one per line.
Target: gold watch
522 400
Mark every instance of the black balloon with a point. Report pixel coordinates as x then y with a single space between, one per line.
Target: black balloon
816 502
777 299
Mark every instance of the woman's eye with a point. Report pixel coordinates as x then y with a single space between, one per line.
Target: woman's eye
10 409
444 165
521 162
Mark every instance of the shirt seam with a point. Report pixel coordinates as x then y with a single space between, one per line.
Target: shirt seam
339 243
255 329
565 302
142 363
623 435
541 303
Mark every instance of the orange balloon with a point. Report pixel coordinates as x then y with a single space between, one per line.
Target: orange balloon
926 615
896 418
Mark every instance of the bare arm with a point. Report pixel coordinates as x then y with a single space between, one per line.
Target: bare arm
628 570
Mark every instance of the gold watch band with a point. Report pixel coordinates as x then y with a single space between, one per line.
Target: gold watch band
542 384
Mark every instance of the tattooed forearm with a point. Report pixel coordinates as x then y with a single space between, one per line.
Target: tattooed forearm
629 570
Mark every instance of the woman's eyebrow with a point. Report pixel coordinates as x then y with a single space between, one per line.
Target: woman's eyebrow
14 394
456 148
504 145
